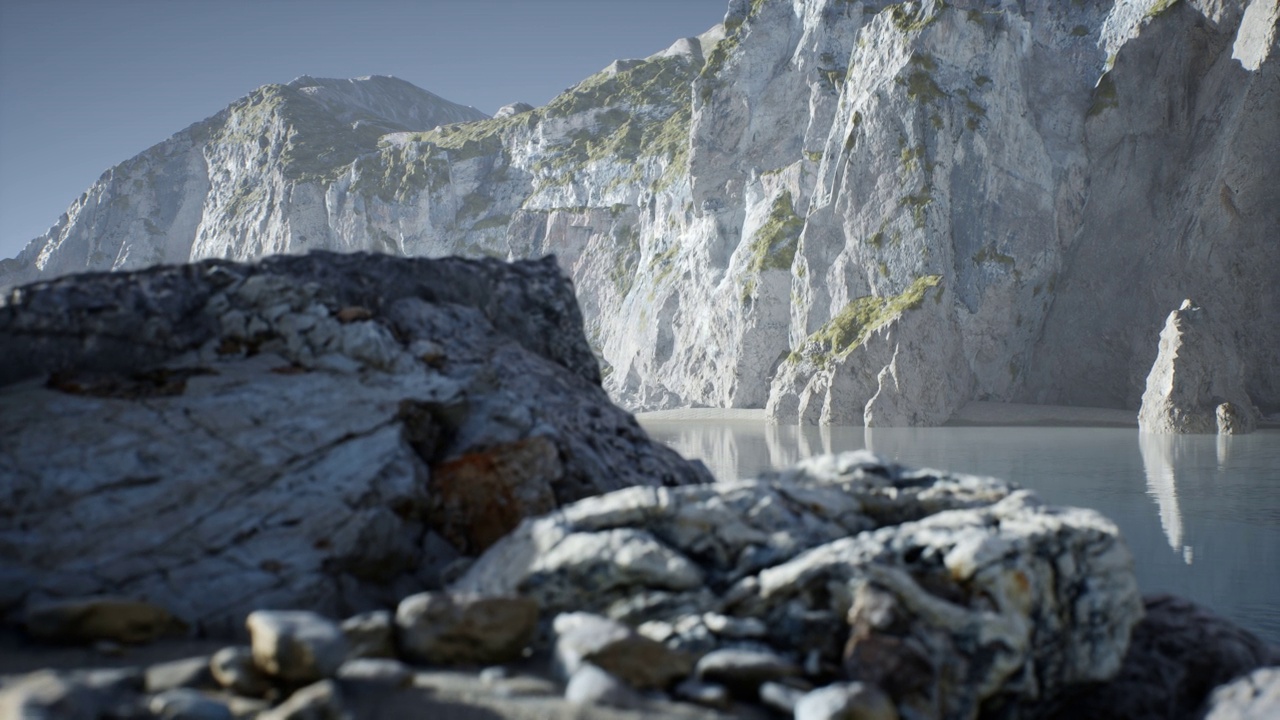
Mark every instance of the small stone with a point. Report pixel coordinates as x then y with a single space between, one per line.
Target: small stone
187 704
525 686
846 701
591 685
370 635
47 694
656 630
734 627
318 701
353 313
780 697
703 693
234 669
491 675
248 708
100 618
744 670
640 662
190 672
379 670
296 645
109 648
448 629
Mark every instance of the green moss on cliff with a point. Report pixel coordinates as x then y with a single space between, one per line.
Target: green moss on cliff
911 17
917 202
1160 7
774 244
988 253
850 327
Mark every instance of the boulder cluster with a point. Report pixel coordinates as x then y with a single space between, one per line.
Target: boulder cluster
357 486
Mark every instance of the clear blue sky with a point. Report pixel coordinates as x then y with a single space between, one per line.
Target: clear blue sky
86 84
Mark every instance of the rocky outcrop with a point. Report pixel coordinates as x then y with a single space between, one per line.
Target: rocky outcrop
1178 655
950 593
1197 384
844 587
327 431
749 215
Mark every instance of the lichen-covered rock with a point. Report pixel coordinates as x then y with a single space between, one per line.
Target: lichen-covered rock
1197 384
457 629
326 432
948 592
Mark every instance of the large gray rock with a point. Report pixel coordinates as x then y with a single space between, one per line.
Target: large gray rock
947 591
83 620
451 629
296 646
307 432
1197 384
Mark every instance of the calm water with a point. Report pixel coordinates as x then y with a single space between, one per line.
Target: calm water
1200 513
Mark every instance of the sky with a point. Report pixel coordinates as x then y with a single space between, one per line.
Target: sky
86 84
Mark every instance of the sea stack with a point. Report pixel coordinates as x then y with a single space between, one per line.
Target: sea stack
1197 382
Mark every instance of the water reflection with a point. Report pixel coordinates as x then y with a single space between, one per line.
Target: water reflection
1159 461
1218 495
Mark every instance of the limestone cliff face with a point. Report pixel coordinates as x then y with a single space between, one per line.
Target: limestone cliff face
848 212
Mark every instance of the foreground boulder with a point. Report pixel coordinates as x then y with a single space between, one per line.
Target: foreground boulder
324 432
1197 384
949 593
1178 654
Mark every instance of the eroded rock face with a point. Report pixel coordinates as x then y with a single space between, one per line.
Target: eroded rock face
948 592
748 215
289 434
1197 384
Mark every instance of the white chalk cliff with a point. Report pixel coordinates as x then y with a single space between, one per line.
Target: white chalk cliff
848 212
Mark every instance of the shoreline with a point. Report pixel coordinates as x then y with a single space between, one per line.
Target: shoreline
972 414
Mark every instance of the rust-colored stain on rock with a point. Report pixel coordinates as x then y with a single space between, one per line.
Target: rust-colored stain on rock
481 496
